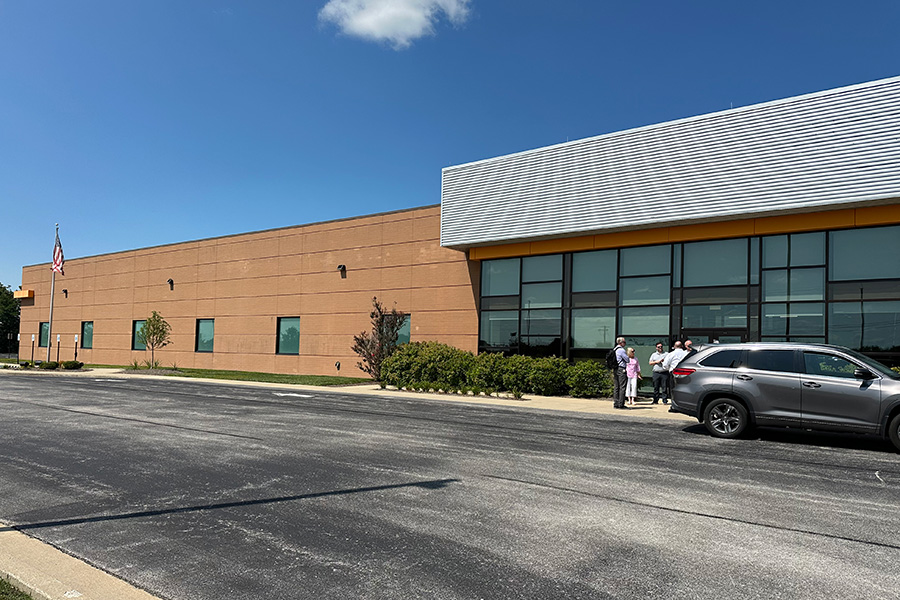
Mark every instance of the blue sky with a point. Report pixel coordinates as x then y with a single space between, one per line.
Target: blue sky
148 122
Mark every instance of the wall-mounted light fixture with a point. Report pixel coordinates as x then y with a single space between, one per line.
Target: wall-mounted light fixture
343 270
66 292
337 365
171 283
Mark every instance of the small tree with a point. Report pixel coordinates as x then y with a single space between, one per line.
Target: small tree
154 334
375 346
9 318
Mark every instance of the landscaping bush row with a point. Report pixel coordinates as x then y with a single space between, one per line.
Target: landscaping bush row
435 366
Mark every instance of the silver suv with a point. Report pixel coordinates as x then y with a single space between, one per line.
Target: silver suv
731 387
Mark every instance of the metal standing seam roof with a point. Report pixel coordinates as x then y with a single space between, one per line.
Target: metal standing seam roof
825 150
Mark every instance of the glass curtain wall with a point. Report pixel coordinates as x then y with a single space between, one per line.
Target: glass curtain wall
840 287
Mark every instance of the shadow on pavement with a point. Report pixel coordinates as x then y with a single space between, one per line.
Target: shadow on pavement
435 484
849 441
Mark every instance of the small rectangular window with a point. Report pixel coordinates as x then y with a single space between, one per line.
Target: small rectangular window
136 343
204 335
44 337
288 335
87 334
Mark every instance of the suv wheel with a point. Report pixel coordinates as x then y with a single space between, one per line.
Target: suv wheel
894 431
727 418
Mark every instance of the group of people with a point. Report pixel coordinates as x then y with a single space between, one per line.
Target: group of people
628 372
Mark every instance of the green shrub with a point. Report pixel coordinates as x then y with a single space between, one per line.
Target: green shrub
49 365
516 374
25 364
72 364
441 366
547 376
589 379
486 372
896 369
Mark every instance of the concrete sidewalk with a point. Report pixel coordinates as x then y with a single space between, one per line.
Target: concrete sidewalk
49 574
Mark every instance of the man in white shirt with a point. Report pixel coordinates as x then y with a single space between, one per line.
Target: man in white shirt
671 362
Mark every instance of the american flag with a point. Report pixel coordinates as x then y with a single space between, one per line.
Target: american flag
58 259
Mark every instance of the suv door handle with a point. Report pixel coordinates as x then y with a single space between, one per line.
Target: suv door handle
744 377
811 384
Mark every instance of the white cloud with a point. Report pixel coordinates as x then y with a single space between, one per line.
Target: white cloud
398 22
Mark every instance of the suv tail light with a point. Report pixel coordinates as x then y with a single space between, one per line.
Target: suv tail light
680 372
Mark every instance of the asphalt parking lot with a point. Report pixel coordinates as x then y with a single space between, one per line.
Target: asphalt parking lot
197 491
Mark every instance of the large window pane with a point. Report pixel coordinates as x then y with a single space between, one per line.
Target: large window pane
594 271
754 261
44 335
645 290
730 316
807 249
500 277
771 360
542 322
718 262
807 319
644 320
807 284
775 251
542 268
288 335
205 335
775 286
499 329
541 295
715 295
864 254
137 344
774 319
878 331
593 327
647 260
87 334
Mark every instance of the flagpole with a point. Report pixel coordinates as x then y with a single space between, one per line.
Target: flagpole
52 290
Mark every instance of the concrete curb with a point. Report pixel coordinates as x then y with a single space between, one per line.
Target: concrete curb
49 574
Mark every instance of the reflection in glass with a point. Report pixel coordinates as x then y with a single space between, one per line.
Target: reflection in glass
807 284
87 334
541 295
645 290
499 329
136 344
403 335
775 286
851 254
717 262
542 322
807 318
807 249
646 260
724 316
774 319
754 261
542 268
288 335
205 334
593 327
644 320
877 331
44 335
594 271
500 277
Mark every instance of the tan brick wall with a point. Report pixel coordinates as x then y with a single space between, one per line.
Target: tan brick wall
245 282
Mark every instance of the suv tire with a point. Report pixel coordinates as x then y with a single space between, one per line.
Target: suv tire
727 418
894 431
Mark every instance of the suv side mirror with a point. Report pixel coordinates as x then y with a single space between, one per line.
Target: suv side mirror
861 373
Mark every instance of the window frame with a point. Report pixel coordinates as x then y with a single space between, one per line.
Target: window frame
197 336
83 337
278 334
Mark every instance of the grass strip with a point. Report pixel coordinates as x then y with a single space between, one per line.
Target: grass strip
8 592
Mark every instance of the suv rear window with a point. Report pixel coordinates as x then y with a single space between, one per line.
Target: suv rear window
728 359
771 360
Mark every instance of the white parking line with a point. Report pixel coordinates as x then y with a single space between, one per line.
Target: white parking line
295 395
